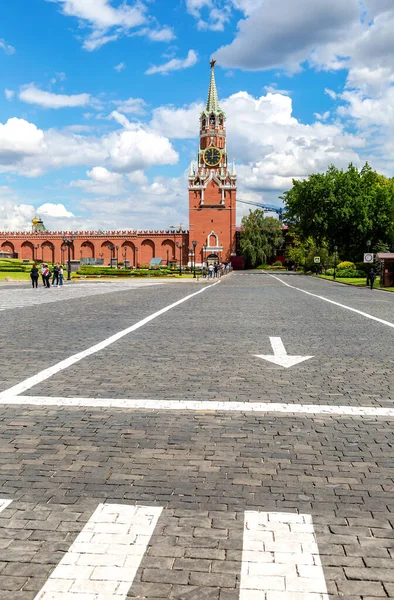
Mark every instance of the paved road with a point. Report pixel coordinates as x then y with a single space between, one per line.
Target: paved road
236 504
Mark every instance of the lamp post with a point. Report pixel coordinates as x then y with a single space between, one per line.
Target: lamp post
136 256
194 242
205 253
42 252
35 247
335 261
117 256
180 246
167 256
124 256
112 250
68 243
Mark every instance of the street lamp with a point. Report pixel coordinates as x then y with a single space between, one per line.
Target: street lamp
167 256
124 256
112 249
35 253
335 261
180 246
194 242
205 253
136 256
68 243
117 256
368 245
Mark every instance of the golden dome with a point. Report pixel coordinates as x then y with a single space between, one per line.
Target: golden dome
35 221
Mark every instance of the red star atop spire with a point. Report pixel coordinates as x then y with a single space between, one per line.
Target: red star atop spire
213 63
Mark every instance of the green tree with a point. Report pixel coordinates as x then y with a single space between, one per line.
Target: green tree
261 237
342 208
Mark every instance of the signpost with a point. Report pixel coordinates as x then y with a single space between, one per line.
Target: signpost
317 260
368 257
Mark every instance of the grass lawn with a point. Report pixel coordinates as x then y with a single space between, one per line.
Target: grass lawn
355 281
14 275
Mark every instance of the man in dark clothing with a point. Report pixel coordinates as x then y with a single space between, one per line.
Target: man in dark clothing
34 276
372 277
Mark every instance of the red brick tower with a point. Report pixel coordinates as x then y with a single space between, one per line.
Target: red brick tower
212 187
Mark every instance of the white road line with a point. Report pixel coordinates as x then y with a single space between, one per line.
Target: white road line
280 558
64 364
103 560
4 503
359 312
195 405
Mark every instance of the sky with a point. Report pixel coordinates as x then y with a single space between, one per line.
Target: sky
100 101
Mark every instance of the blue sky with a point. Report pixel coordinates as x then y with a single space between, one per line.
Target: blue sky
99 101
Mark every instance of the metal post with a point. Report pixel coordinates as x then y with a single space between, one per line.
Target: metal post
194 242
335 262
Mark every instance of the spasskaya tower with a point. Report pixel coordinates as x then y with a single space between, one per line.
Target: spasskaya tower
212 187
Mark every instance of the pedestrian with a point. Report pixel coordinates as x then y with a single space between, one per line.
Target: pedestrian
34 276
55 278
216 269
204 272
372 277
60 273
46 275
210 271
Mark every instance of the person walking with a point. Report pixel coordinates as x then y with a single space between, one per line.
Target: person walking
55 278
60 272
372 277
34 276
204 272
210 271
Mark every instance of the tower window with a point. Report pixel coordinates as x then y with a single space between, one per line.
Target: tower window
212 120
204 123
220 120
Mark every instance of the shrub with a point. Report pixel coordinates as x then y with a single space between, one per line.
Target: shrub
278 263
346 265
329 272
350 273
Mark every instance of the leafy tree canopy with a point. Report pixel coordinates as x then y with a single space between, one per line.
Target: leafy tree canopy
261 237
343 208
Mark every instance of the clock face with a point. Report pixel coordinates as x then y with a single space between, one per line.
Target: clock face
212 156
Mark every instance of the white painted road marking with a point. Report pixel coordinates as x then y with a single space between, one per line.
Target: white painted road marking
359 312
103 560
200 405
280 356
280 558
64 364
4 503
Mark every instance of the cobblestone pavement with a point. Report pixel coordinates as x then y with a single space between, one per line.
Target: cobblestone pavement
234 505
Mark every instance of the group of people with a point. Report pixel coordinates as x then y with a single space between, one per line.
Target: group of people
57 276
214 271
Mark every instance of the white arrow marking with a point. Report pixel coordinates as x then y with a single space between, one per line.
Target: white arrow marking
280 356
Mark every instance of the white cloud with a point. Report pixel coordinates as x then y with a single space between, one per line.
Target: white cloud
209 14
107 22
26 150
8 49
120 67
101 181
132 106
19 139
33 95
175 64
285 34
177 122
54 210
9 94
